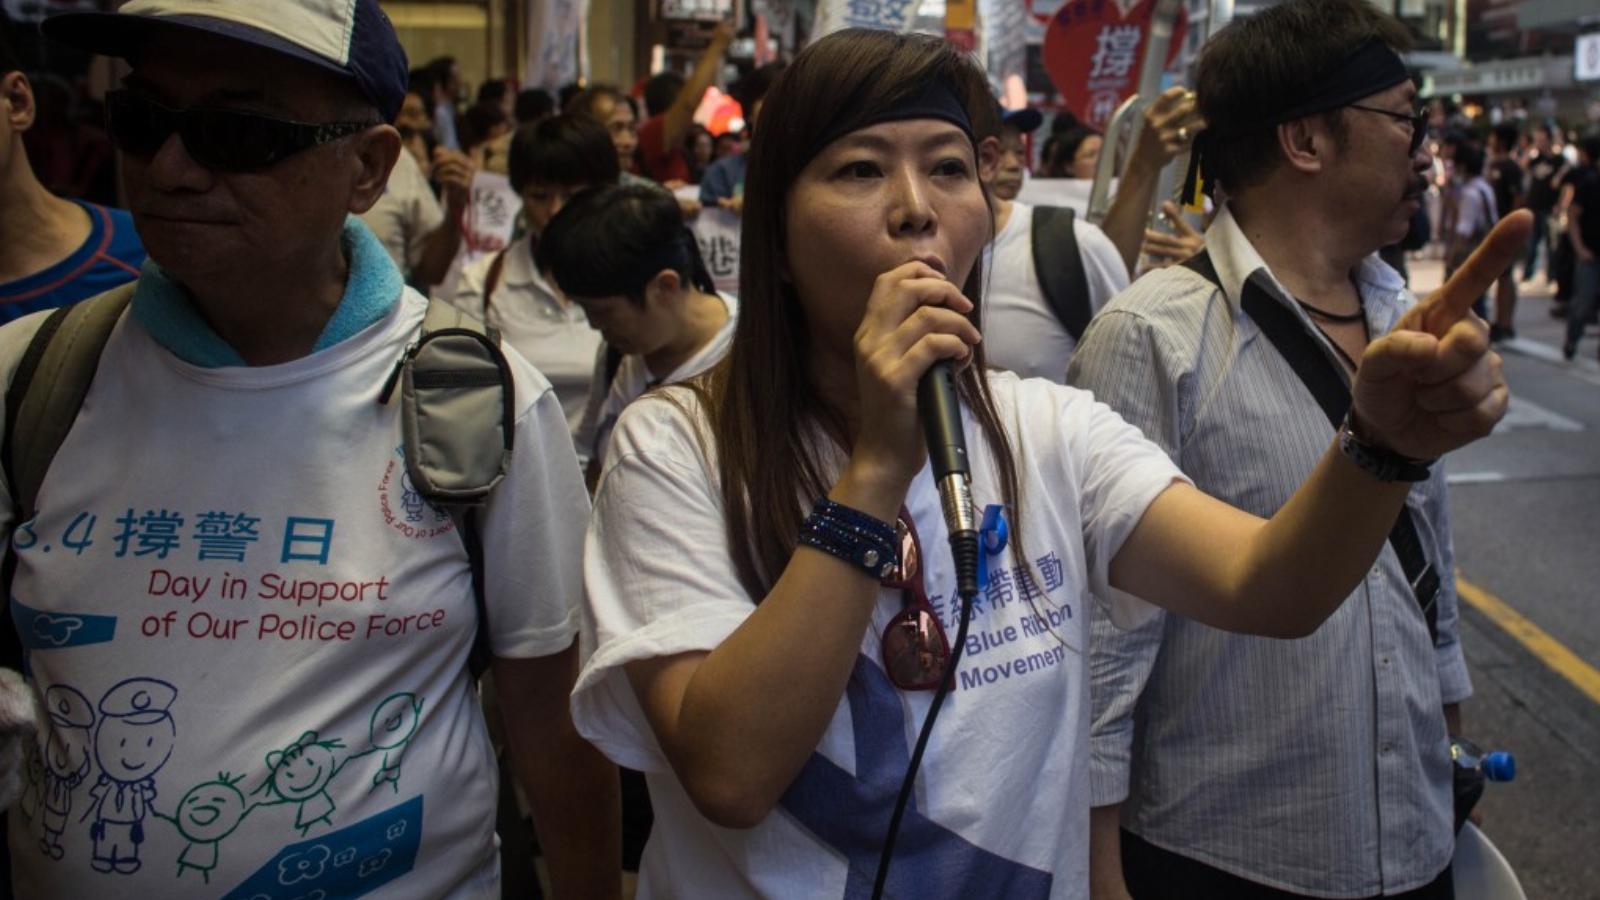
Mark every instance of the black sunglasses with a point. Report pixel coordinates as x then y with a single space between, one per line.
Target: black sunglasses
223 140
1418 120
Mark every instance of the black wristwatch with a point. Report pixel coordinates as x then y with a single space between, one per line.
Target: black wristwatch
1379 462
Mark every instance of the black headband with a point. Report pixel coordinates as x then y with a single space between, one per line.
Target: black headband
1372 68
937 101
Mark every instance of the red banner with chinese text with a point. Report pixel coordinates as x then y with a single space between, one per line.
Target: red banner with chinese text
1094 50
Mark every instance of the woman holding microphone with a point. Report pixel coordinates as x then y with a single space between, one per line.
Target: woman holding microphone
769 588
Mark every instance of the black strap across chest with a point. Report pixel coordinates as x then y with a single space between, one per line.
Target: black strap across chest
1058 265
1311 365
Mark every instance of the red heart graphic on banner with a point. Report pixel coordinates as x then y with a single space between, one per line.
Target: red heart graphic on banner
1093 52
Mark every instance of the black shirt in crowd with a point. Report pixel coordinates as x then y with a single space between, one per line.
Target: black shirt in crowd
1588 198
1506 178
1543 191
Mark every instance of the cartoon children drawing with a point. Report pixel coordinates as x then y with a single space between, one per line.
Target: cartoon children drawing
132 742
66 761
394 721
299 773
208 813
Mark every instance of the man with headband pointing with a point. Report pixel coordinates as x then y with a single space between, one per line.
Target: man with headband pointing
1320 766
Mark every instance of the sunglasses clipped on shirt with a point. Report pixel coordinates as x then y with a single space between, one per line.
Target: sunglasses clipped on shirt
916 653
1418 120
223 140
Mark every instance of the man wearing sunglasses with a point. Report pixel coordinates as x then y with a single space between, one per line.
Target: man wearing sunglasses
275 580
1265 768
56 251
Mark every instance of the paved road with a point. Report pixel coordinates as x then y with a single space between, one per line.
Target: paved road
1526 507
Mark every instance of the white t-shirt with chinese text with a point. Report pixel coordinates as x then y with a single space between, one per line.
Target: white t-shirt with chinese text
250 632
633 378
1002 801
1020 330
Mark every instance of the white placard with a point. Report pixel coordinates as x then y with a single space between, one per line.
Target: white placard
490 219
555 33
884 15
717 232
1586 57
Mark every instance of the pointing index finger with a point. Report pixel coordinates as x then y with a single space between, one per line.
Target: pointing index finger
1453 300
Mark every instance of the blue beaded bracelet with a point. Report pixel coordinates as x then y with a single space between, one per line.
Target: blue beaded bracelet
853 536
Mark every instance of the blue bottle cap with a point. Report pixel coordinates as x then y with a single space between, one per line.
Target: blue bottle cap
1499 766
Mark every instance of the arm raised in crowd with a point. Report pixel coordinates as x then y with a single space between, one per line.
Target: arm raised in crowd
1170 123
1429 386
676 120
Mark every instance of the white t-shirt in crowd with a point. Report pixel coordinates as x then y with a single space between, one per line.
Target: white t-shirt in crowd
251 634
633 378
549 331
1002 802
1020 330
406 214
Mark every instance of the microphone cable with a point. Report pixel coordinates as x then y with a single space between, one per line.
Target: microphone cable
910 781
947 451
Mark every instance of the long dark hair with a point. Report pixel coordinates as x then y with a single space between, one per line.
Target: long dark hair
763 410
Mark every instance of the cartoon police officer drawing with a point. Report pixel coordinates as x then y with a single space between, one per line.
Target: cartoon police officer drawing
66 761
132 742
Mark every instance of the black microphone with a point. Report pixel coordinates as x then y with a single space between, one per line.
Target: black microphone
947 451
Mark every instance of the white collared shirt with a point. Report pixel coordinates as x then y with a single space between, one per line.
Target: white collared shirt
549 331
633 377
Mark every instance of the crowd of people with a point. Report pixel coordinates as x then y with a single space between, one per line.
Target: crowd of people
1483 177
1215 653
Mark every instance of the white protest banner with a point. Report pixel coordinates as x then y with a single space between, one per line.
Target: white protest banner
884 15
555 34
717 233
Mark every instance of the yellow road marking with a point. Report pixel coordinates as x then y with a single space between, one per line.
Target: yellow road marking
1550 651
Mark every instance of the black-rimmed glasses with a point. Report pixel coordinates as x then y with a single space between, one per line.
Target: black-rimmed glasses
1418 121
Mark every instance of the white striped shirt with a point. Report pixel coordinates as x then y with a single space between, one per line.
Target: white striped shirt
1319 765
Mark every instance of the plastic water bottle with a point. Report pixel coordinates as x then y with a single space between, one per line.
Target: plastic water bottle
1472 769
1497 765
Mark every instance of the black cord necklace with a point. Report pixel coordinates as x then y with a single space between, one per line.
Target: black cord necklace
1359 315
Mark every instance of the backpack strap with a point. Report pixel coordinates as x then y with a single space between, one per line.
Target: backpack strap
49 387
1312 366
1059 267
497 267
42 402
